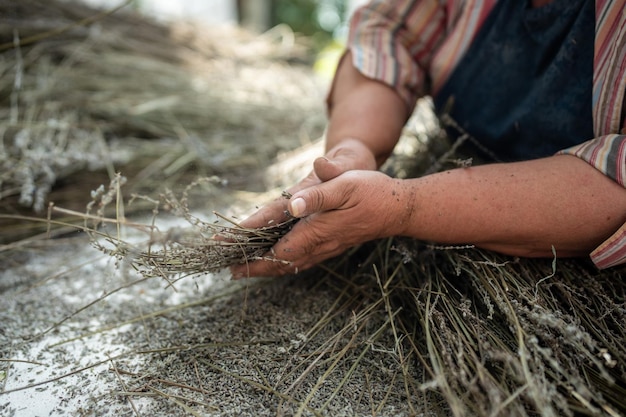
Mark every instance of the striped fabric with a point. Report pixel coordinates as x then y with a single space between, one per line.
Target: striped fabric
414 45
608 154
609 81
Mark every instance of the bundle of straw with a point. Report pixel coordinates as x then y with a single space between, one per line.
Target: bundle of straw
504 336
203 247
79 85
510 337
488 334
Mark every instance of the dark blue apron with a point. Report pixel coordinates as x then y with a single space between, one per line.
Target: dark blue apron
523 89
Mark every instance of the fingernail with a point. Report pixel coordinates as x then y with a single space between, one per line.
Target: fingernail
297 206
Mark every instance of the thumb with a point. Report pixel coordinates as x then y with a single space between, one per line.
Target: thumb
323 197
327 169
298 207
350 154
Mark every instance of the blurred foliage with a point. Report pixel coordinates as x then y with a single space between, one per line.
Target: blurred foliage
318 19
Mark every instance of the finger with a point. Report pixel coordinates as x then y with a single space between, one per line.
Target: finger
330 195
272 213
351 154
268 267
305 246
273 266
327 169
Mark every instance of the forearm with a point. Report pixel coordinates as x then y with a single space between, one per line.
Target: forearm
522 208
366 110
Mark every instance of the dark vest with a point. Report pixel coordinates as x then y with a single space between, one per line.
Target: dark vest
523 88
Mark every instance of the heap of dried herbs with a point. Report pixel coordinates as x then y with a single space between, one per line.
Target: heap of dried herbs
85 90
200 248
488 334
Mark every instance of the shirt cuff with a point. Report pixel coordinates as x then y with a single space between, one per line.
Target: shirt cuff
612 252
608 155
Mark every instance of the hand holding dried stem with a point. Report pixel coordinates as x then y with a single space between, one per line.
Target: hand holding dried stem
202 248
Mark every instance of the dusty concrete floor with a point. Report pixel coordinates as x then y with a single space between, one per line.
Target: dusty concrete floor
83 336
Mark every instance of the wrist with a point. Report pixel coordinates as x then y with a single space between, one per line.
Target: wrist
400 208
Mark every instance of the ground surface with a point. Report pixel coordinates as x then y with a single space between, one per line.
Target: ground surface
82 336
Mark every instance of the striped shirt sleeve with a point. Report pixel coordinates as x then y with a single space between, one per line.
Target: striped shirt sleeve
393 42
608 155
607 152
413 45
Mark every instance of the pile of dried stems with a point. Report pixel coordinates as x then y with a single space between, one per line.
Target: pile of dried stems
78 87
201 248
487 334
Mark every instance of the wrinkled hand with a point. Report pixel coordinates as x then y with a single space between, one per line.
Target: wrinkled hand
352 208
349 155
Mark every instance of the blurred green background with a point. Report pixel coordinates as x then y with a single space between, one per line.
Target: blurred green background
322 22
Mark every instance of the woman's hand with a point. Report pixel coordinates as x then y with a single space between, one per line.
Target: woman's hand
352 208
349 154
